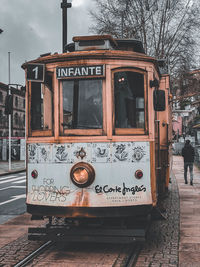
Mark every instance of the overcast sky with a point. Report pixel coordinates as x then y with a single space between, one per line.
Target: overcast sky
34 27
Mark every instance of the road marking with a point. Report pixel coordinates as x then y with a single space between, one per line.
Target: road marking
7 177
10 180
19 182
13 199
10 177
13 186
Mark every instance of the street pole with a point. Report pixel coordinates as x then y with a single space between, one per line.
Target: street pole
9 118
65 6
122 25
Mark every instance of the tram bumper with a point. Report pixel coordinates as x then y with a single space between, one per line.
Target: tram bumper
90 212
106 225
96 235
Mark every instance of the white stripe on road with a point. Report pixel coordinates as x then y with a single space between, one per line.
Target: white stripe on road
19 182
13 199
7 177
10 177
10 180
13 186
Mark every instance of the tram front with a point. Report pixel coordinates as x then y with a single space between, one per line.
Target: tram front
90 135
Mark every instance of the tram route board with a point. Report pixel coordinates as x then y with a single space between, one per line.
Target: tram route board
36 72
80 71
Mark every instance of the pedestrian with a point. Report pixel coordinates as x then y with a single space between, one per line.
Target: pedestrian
188 155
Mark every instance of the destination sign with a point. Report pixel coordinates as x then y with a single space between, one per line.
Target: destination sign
80 72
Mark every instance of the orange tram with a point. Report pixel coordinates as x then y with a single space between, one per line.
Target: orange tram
98 135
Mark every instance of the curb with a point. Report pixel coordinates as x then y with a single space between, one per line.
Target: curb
12 172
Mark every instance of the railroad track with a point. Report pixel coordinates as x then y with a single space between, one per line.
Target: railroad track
128 259
34 254
133 257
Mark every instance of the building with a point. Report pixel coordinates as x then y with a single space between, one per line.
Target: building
18 115
186 106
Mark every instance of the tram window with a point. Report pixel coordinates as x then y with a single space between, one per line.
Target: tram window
129 99
82 104
41 106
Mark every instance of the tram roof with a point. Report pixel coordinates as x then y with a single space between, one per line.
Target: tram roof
90 47
92 54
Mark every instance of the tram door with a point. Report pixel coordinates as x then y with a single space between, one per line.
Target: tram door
163 137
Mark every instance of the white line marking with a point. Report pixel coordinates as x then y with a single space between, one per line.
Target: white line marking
13 186
19 182
13 199
8 177
10 180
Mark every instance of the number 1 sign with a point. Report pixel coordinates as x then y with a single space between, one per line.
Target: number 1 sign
35 72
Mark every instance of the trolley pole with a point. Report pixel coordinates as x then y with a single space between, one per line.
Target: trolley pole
65 6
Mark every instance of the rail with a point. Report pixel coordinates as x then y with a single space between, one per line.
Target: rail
34 254
132 260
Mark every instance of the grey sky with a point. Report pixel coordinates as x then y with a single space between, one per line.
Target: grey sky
34 27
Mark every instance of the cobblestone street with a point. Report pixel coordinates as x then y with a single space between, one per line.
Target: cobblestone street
161 247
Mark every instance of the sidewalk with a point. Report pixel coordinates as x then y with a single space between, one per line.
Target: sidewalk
16 166
189 242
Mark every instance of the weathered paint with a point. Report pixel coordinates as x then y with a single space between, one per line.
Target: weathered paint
115 165
58 167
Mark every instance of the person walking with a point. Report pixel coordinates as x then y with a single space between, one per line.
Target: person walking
188 155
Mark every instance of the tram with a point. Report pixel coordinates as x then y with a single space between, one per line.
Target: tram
98 124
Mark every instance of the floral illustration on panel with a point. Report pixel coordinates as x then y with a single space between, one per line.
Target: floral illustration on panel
121 153
61 154
138 153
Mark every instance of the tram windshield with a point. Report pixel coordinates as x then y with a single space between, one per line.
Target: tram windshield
82 104
129 99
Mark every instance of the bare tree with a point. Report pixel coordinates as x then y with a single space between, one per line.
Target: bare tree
167 28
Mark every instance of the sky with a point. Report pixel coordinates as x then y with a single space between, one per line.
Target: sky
34 27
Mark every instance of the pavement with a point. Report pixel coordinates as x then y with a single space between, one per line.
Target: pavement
189 235
171 242
16 166
175 241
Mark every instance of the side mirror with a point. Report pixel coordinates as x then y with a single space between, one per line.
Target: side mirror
159 100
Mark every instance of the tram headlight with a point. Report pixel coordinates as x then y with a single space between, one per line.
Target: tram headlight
82 174
34 174
138 174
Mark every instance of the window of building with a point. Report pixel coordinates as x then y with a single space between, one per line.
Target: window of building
24 119
16 116
1 97
16 101
21 134
1 116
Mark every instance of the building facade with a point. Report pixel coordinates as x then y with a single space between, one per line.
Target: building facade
186 105
18 114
